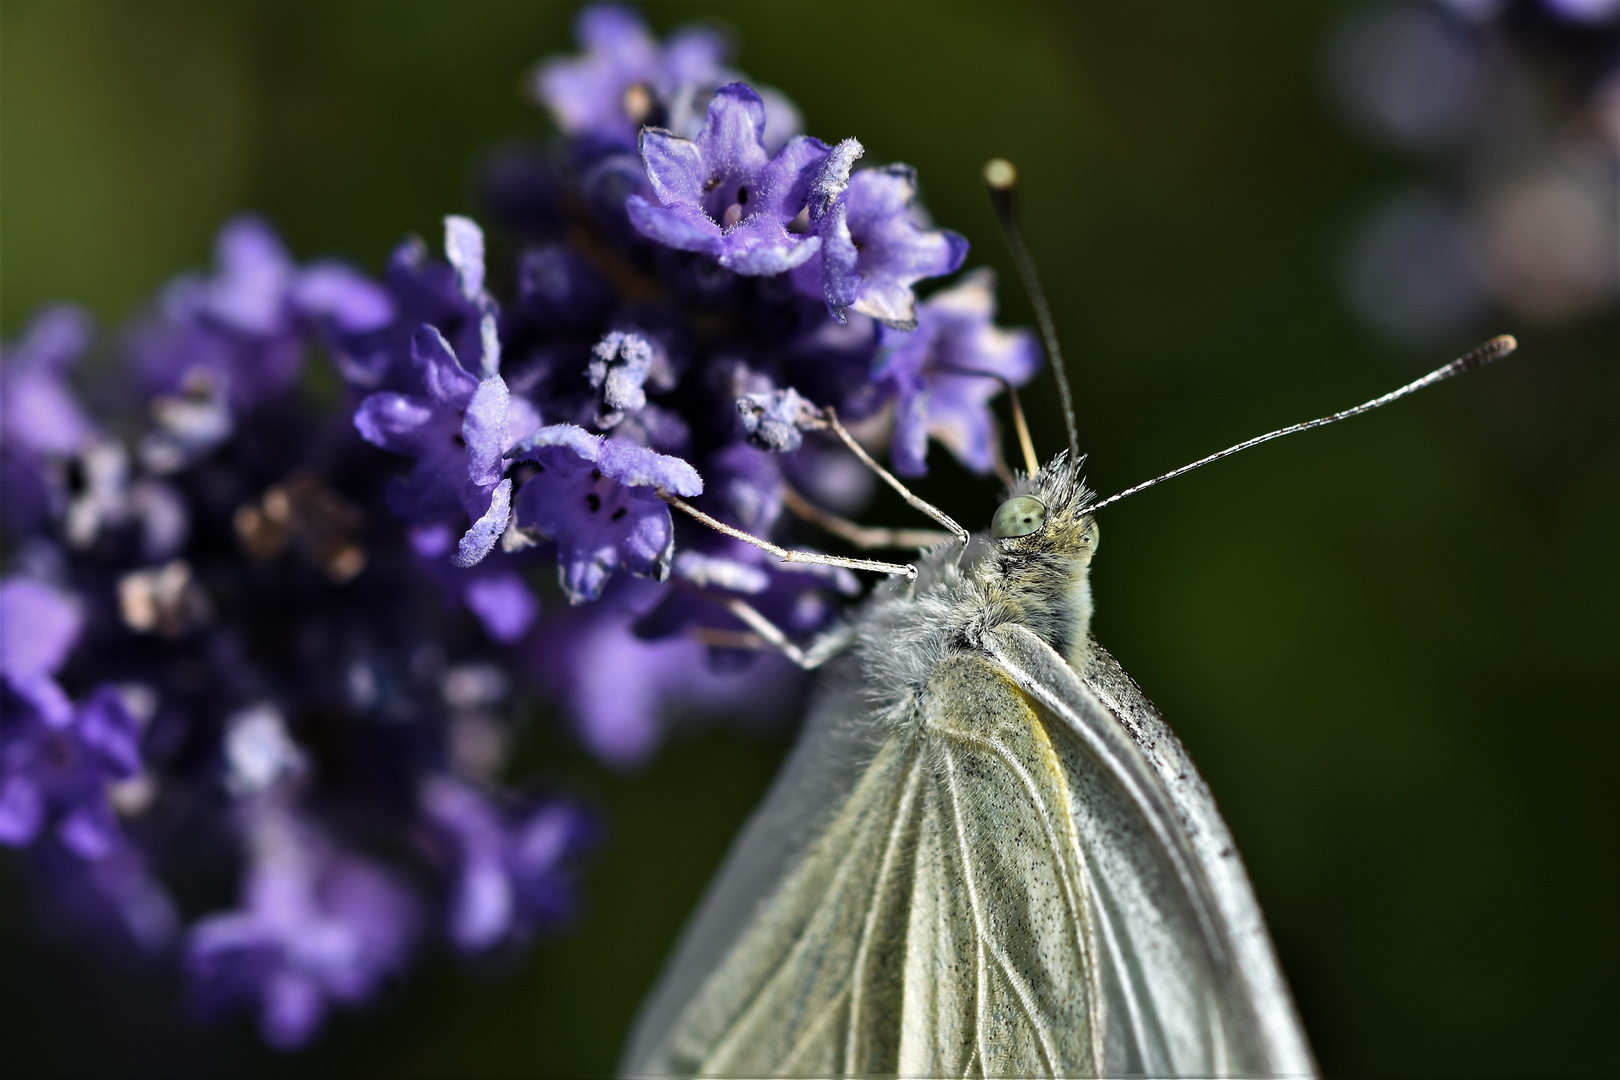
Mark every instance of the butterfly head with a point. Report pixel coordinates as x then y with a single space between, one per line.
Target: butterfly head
1047 514
1039 556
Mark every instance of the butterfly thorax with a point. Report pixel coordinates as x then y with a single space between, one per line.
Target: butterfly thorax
1039 581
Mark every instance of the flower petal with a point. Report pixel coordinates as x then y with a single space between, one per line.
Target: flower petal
761 246
675 166
464 247
480 539
683 226
446 381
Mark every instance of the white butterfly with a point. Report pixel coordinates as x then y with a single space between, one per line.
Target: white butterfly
988 854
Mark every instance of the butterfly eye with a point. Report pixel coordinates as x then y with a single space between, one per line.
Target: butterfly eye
1018 517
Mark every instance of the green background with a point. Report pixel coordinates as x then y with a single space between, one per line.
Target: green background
1390 646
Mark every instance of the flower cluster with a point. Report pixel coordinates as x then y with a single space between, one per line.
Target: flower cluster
253 621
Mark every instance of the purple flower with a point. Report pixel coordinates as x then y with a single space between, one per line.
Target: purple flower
512 860
493 590
421 290
38 411
876 243
560 290
623 692
928 369
458 430
56 765
625 79
242 329
40 418
723 195
776 419
598 498
745 487
317 927
56 759
38 628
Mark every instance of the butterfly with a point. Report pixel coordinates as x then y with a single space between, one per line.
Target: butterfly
988 855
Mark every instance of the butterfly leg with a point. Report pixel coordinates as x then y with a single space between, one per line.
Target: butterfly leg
786 554
889 478
862 536
819 651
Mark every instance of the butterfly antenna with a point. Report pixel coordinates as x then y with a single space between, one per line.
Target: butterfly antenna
1492 350
1000 178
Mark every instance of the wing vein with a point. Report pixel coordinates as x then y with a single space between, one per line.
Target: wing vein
1078 917
891 846
725 1044
812 1030
1020 990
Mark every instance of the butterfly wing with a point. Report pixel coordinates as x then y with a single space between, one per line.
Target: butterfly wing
1188 968
1003 888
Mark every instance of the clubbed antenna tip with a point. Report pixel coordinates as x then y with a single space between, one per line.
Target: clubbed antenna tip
1490 352
1000 177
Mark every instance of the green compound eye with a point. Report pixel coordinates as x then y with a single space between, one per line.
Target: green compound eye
1018 517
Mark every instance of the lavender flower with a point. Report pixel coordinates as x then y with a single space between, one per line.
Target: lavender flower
598 498
512 862
459 427
939 375
626 79
318 927
623 693
41 421
229 622
876 244
621 365
56 759
776 419
241 330
723 195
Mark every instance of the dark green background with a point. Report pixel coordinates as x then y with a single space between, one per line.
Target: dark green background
1390 646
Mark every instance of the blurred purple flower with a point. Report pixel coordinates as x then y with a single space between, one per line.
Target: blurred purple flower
799 598
317 927
625 79
242 329
38 410
41 420
513 861
56 765
559 290
929 371
1408 75
745 487
723 194
1413 270
623 692
598 498
493 590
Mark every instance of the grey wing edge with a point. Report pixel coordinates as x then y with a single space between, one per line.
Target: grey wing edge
1102 699
818 776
